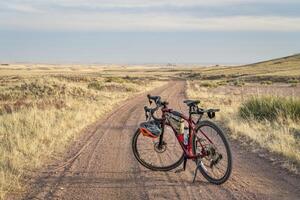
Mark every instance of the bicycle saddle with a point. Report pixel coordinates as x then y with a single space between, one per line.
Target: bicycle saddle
189 102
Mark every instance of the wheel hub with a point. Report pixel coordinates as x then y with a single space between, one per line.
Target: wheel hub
160 148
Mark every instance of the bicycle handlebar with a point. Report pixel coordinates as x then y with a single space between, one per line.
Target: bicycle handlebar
158 102
157 99
151 111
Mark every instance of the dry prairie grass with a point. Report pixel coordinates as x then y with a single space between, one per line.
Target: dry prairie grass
280 136
276 70
42 111
44 107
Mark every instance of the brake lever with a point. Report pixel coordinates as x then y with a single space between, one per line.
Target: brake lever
146 112
150 102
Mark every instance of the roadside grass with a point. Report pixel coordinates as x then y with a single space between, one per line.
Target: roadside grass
270 108
41 114
210 84
272 122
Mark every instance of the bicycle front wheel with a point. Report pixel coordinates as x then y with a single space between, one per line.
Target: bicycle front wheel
167 157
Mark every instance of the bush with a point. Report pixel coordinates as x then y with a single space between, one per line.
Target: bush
116 80
97 85
238 83
209 84
293 81
221 83
266 83
270 108
40 89
113 86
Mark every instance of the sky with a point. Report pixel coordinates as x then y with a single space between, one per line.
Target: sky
148 31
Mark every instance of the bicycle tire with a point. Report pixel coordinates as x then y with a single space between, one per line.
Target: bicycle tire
228 151
148 165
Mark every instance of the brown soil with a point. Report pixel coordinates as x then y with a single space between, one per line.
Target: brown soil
107 169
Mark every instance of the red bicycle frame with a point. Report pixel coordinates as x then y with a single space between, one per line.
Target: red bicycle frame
192 127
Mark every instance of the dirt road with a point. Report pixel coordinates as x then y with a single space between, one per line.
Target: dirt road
107 169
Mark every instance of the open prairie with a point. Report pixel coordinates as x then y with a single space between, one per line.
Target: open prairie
262 101
43 108
66 130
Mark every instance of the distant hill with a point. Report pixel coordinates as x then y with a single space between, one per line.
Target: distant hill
285 66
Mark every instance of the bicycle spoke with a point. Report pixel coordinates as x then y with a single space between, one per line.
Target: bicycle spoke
216 145
149 152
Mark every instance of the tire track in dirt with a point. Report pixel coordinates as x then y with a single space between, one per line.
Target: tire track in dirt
47 185
92 147
107 169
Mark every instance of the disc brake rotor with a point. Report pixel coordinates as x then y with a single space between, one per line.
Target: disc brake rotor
160 149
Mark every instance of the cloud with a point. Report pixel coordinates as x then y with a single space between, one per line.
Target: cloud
131 22
18 7
44 4
113 15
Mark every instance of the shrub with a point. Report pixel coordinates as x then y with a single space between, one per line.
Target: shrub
40 89
113 86
270 108
116 80
266 83
220 83
209 84
97 85
239 83
35 89
293 81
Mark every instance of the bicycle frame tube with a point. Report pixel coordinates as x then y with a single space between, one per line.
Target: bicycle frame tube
192 125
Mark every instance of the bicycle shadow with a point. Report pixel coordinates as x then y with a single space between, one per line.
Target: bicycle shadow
122 179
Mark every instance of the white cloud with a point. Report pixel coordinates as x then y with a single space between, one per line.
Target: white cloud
131 3
36 15
150 22
19 7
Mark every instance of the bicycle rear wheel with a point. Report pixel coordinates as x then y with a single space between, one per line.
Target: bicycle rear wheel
146 151
216 166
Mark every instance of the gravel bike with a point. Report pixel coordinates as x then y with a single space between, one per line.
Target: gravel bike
162 144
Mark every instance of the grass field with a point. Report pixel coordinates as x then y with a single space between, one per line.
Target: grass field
43 108
260 104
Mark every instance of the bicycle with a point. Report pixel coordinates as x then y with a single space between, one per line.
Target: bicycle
190 140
